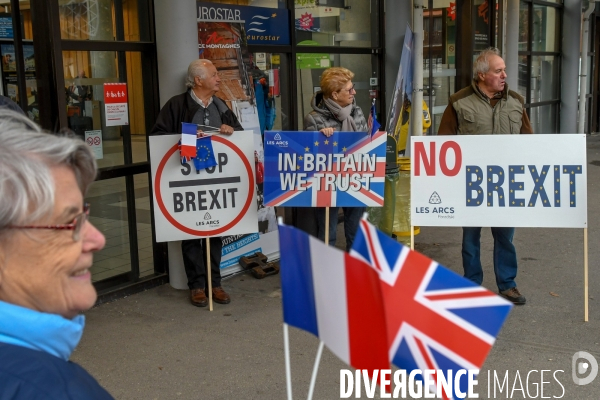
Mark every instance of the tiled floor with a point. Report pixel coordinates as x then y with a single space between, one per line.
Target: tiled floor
109 214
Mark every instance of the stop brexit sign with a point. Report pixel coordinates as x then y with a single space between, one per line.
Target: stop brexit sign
217 201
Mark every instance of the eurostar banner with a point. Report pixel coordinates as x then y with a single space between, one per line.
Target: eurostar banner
499 180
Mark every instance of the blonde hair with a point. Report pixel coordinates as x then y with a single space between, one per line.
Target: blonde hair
334 79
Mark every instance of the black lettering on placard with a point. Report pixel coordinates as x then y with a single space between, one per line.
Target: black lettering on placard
186 169
178 202
193 199
189 201
221 160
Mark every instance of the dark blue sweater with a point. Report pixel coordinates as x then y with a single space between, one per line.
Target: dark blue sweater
31 374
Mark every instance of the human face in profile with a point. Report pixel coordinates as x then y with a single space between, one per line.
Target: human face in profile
48 270
211 82
345 96
494 80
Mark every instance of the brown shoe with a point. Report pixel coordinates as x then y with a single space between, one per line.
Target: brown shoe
198 298
220 296
514 296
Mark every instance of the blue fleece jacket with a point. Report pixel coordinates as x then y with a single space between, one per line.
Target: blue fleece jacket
34 357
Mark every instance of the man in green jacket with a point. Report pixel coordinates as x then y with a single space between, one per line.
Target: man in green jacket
486 107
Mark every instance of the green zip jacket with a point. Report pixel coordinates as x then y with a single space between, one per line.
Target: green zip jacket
471 112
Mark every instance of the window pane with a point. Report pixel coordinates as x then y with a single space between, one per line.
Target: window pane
332 24
309 78
439 52
144 224
544 78
523 26
108 213
85 73
94 20
546 28
269 73
523 77
543 119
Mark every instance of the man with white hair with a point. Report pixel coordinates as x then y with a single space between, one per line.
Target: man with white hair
488 107
200 106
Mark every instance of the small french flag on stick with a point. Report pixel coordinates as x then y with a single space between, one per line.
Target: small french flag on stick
188 139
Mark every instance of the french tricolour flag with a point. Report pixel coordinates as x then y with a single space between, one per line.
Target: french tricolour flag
336 297
188 139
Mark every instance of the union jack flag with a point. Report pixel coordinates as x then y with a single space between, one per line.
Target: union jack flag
435 318
315 191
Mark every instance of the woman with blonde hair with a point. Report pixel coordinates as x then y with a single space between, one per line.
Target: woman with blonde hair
333 109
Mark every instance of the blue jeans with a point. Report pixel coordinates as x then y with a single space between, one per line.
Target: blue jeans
505 256
352 216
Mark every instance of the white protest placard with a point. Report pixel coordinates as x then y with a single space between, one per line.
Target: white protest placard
94 140
216 201
499 180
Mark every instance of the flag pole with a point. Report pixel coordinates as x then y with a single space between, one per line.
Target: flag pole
286 349
208 272
327 226
313 378
412 237
585 273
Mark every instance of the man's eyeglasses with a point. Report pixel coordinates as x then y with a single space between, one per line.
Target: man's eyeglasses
74 226
206 115
349 90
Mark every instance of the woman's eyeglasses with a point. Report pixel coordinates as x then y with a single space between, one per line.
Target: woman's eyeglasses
349 90
74 226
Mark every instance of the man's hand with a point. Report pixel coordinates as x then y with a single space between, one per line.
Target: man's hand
199 133
226 129
327 131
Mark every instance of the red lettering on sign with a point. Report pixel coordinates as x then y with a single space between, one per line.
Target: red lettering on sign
428 163
457 158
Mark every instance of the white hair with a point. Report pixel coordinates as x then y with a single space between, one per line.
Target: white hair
27 188
482 62
197 68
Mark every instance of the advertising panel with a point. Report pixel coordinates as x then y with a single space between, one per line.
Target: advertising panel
225 45
262 25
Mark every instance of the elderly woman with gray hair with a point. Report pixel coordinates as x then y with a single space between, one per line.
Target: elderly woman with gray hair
333 109
46 251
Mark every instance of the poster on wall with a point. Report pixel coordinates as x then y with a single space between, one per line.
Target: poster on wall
10 81
6 26
224 43
262 25
115 104
481 26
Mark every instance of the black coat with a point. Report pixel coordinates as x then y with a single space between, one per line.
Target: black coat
182 108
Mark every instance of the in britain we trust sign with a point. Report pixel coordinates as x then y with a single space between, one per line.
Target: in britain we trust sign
499 180
216 201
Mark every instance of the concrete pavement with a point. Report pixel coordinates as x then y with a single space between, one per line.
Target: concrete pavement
155 345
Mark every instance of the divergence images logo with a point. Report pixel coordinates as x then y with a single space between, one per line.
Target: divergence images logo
581 367
435 198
